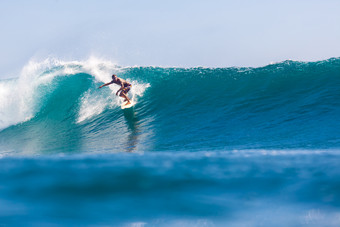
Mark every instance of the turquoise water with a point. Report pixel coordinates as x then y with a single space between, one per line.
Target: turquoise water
201 147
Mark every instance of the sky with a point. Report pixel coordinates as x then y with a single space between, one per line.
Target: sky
181 33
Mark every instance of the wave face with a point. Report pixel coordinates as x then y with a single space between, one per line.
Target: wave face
56 107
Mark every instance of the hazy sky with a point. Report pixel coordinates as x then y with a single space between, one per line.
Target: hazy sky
169 33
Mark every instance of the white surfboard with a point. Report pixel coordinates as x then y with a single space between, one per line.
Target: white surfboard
124 106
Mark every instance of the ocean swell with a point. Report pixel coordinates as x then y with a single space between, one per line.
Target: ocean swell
55 106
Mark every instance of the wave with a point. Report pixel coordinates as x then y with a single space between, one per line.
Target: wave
55 106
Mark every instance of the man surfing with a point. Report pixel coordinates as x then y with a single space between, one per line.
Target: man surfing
124 89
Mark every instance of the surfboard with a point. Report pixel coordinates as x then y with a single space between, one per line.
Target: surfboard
124 106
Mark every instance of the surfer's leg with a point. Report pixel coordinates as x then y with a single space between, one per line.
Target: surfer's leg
123 95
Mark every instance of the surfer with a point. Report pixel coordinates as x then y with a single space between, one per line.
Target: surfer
124 89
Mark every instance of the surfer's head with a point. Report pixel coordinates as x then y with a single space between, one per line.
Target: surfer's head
114 77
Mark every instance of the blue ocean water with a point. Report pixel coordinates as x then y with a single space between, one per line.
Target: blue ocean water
201 147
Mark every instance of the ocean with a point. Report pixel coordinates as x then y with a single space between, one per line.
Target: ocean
237 146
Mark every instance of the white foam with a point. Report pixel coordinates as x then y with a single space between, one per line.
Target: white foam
90 106
15 103
17 95
137 89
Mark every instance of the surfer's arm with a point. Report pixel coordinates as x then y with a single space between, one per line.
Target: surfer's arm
106 84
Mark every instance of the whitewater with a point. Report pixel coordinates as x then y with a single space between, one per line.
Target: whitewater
238 146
